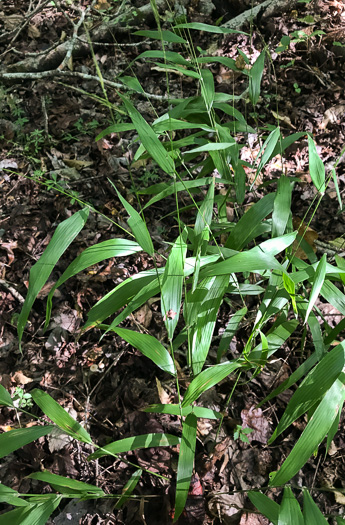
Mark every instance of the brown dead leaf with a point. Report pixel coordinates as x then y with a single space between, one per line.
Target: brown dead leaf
12 21
20 379
163 395
77 164
9 247
240 62
332 115
308 234
339 497
283 118
169 315
254 418
253 519
144 315
33 31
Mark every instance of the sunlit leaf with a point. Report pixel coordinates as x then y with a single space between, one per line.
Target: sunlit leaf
61 418
64 234
134 443
185 463
150 347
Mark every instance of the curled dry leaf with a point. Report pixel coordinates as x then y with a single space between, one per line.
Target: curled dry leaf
332 115
20 379
169 315
9 247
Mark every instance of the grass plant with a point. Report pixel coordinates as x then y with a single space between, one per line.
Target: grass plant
196 147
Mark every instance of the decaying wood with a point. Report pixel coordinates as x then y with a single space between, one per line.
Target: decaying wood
265 9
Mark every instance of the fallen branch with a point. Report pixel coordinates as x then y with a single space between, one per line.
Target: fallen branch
266 9
56 73
103 33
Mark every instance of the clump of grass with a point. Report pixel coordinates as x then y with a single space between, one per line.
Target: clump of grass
208 262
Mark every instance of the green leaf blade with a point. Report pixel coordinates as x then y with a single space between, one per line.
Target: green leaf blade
61 418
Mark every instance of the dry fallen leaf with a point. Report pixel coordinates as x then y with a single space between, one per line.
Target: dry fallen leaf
308 234
33 31
283 118
77 164
253 519
254 418
169 315
20 379
332 115
144 315
163 395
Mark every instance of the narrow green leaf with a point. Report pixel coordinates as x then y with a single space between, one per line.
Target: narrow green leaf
334 296
316 167
253 260
134 443
229 332
207 88
64 234
175 410
132 82
336 186
136 288
5 398
208 28
230 63
150 347
313 387
10 496
185 463
267 149
240 181
311 512
61 418
171 56
114 128
212 146
36 514
282 207
167 36
90 256
66 485
208 378
275 338
148 291
201 315
128 488
265 505
120 296
255 78
242 233
172 284
137 225
290 511
149 138
314 433
285 143
177 187
319 279
14 439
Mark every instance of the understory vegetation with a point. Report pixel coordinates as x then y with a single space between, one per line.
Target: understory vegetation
227 245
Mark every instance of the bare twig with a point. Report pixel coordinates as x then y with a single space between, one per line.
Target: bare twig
56 73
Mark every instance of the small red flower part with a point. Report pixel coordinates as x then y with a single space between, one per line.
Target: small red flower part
169 315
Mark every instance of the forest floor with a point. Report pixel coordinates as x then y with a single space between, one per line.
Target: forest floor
48 128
